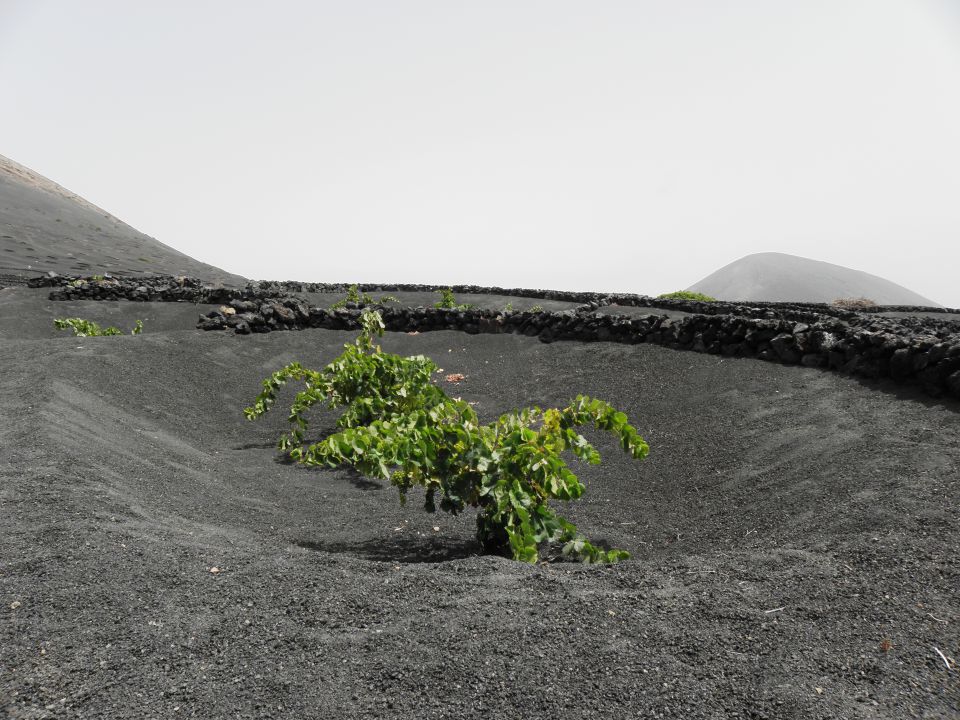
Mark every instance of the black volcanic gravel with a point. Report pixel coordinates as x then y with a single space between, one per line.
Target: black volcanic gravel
794 537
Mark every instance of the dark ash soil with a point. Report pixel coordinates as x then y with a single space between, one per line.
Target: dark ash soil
794 537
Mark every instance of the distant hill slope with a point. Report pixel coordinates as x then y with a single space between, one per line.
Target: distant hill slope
773 276
44 226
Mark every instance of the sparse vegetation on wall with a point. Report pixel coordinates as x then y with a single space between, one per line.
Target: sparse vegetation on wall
854 303
448 301
687 295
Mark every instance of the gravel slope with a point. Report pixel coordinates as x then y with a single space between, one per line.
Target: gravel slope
787 523
44 226
778 276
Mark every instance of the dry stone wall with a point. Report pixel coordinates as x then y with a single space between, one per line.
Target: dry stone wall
874 348
918 350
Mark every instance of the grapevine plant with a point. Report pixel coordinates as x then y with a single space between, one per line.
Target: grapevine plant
355 296
448 301
88 328
398 426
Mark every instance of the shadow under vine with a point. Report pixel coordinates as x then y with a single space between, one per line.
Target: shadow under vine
401 548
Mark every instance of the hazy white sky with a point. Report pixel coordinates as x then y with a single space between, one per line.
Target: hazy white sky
632 146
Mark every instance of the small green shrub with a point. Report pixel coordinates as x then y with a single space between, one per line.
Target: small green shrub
508 307
448 301
687 295
355 296
88 328
860 303
79 282
397 425
537 308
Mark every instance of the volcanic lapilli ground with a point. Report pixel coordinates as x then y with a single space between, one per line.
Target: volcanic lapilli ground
794 537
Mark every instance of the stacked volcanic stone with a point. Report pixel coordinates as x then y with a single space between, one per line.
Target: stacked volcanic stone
290 286
258 316
155 288
128 286
50 279
878 349
916 349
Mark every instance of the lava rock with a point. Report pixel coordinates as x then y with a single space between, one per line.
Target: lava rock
785 346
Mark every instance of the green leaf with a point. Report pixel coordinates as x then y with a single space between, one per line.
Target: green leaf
394 417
